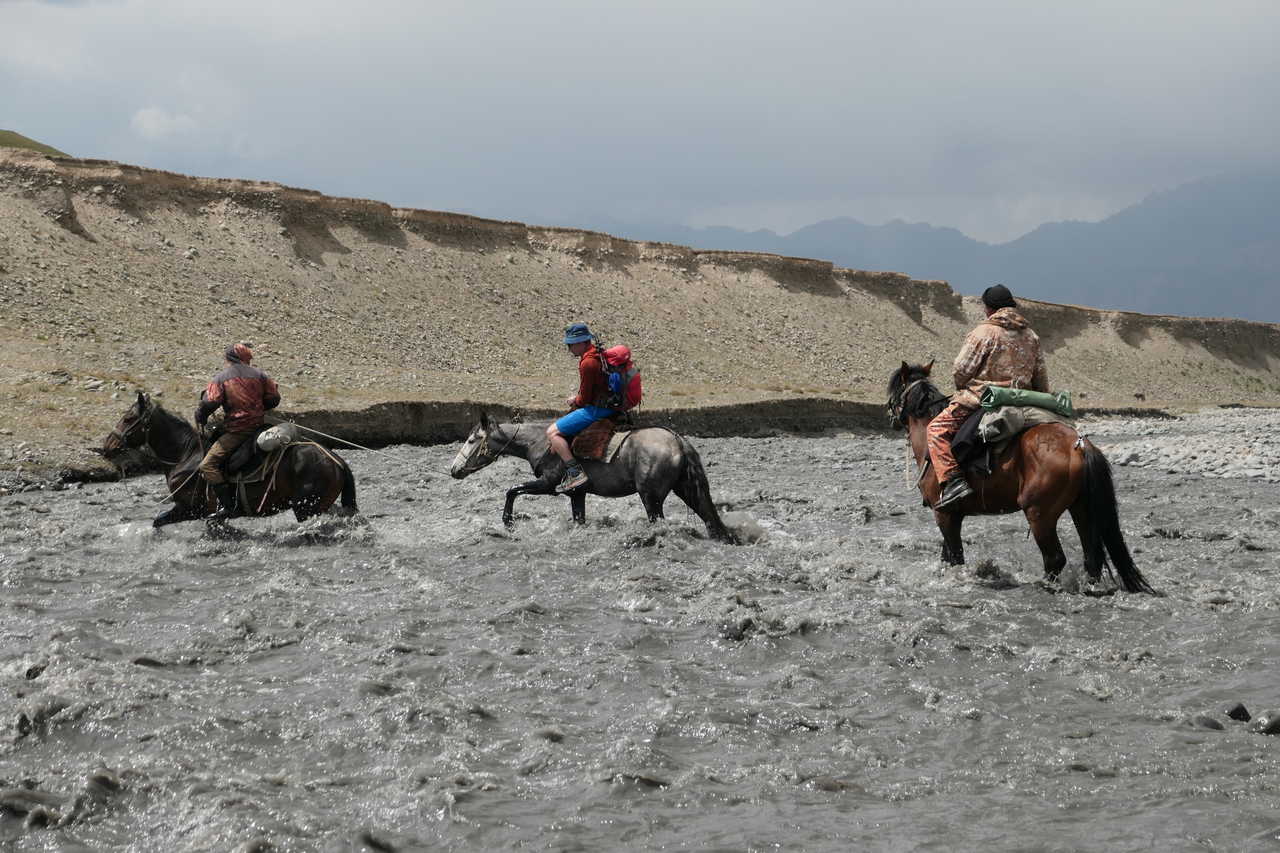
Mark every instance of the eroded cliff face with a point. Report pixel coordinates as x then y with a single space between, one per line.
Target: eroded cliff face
115 277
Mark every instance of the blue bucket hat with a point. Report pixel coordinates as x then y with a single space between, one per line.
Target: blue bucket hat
577 333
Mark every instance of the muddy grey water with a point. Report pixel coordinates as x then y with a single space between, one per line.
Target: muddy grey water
423 679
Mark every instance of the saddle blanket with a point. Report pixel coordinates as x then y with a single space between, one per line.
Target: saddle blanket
599 442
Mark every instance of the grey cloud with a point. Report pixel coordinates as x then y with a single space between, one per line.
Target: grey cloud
1000 111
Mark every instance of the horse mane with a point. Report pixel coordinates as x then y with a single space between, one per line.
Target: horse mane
180 427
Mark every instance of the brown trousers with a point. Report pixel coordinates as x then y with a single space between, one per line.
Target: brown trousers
211 467
942 429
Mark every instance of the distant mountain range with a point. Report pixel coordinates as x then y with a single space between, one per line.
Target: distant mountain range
1210 248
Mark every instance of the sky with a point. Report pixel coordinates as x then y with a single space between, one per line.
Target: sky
991 116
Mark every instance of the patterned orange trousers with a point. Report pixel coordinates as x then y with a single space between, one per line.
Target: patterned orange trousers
942 429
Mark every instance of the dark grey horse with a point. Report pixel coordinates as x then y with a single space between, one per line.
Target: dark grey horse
654 462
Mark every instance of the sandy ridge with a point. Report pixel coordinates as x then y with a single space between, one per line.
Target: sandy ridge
115 277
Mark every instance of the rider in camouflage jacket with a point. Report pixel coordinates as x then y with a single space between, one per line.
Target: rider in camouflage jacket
1002 350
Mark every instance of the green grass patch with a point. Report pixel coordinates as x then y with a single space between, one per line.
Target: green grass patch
11 139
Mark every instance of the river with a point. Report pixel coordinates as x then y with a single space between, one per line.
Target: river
419 678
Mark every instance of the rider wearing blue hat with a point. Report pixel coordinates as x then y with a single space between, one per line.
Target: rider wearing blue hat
593 391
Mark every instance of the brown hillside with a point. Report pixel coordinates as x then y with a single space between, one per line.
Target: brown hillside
114 277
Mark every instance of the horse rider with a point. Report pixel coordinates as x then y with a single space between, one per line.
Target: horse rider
245 393
1002 350
588 405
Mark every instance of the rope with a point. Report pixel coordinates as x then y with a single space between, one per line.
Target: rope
326 435
181 486
275 467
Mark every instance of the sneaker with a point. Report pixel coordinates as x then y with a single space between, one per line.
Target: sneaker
955 490
574 476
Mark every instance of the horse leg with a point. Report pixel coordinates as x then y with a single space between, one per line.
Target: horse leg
311 500
952 546
1090 542
1045 531
533 487
305 508
653 505
178 513
578 505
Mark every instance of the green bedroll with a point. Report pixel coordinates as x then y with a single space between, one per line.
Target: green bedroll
994 396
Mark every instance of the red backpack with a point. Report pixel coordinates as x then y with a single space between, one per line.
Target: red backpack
623 378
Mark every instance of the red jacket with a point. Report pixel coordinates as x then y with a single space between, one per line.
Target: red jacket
245 392
593 387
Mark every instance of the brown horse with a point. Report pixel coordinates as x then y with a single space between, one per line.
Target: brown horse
1048 470
307 480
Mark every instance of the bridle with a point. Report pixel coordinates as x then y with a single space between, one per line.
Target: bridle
143 422
898 402
485 453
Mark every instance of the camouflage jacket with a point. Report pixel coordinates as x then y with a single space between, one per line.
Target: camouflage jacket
1001 351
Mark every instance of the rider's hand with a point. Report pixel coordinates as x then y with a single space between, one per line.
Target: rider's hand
570 402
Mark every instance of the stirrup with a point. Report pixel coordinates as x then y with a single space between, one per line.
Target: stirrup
953 494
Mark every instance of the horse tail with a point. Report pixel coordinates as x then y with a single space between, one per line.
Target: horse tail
694 490
1105 537
348 488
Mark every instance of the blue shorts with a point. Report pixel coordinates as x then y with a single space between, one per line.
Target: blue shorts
579 419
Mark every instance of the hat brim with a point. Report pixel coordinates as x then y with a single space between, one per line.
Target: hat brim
576 339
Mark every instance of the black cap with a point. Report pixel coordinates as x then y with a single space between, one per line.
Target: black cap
997 296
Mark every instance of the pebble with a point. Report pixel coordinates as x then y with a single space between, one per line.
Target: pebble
1239 712
1267 723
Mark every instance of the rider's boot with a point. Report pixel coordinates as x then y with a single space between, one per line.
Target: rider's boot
955 490
574 477
228 506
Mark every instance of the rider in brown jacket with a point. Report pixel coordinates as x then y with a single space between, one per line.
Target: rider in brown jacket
246 393
1002 350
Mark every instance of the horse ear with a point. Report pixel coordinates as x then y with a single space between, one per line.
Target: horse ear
485 423
906 369
142 401
928 368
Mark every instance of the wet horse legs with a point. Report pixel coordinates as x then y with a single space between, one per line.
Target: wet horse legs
1045 531
653 505
1090 544
533 487
952 546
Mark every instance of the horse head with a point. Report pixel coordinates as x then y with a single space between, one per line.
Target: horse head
476 452
133 430
911 394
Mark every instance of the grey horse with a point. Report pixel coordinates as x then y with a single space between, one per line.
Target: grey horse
653 462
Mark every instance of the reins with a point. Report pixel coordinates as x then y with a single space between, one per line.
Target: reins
483 449
503 449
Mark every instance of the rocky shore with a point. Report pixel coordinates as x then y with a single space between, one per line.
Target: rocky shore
396 324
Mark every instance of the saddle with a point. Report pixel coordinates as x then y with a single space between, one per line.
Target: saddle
246 457
987 433
596 442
